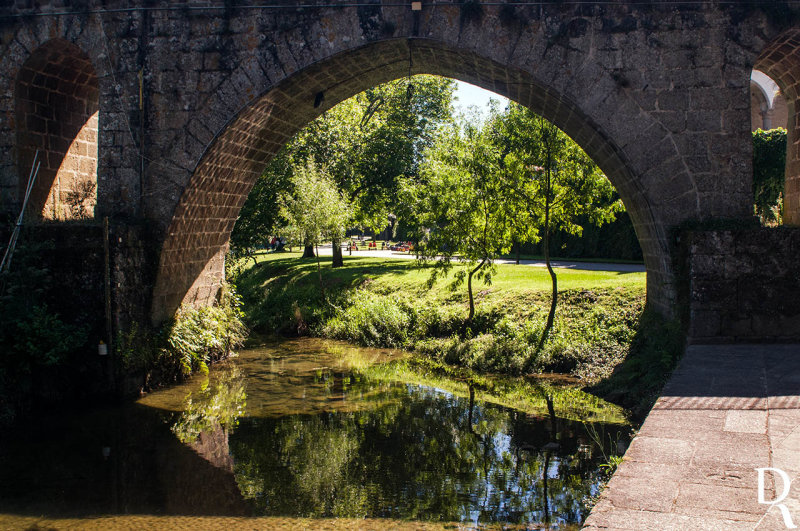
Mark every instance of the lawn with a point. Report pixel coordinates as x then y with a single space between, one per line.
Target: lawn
400 272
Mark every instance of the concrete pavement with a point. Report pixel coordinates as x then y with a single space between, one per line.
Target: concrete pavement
726 411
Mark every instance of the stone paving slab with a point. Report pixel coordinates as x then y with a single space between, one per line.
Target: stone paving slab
726 411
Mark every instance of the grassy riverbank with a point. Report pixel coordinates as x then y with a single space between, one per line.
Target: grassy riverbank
602 333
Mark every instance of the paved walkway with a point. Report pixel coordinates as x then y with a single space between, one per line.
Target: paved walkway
325 250
726 411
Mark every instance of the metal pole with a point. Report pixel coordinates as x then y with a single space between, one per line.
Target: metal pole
12 244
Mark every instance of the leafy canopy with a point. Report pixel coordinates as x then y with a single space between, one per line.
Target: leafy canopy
367 144
316 212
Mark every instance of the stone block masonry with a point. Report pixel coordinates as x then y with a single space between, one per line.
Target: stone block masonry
174 112
743 285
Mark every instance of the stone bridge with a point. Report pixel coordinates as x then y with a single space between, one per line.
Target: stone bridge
173 111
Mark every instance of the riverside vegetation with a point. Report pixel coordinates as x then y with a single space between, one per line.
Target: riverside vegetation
187 343
603 334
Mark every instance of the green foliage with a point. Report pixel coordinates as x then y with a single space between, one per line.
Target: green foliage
407 452
611 241
260 216
655 350
44 339
34 339
136 349
481 189
521 394
769 169
197 336
365 144
458 208
191 340
545 169
389 304
316 211
372 320
372 140
217 406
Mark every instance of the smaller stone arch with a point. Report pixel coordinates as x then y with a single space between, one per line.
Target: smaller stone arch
767 104
780 60
57 114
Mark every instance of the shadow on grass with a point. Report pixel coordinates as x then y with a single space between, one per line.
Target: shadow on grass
655 351
283 295
304 270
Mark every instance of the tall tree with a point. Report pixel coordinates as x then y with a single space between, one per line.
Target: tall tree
376 138
260 216
769 168
458 207
316 211
556 181
367 144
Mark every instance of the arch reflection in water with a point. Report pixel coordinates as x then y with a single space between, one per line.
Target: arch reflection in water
366 446
301 429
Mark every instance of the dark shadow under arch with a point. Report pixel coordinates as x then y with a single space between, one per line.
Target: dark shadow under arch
191 265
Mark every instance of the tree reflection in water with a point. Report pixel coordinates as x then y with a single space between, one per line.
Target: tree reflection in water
298 430
408 451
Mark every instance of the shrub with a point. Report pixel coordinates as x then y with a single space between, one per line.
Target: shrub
372 320
197 336
769 168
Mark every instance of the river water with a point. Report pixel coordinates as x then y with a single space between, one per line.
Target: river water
311 434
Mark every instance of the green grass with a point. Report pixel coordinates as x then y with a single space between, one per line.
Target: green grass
401 272
599 336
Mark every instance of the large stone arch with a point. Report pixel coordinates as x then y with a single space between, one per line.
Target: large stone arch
658 94
191 261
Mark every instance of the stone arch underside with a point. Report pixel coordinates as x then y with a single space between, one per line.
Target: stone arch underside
57 107
191 265
780 60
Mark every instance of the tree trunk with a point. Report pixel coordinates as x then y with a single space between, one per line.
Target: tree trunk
319 273
336 251
471 407
551 410
469 290
554 280
308 251
553 436
545 494
517 245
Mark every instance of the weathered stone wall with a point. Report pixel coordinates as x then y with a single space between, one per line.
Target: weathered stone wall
132 257
194 101
69 277
743 285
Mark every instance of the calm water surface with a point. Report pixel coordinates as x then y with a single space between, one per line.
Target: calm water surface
312 434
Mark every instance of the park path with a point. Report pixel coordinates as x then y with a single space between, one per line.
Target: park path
727 410
325 250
